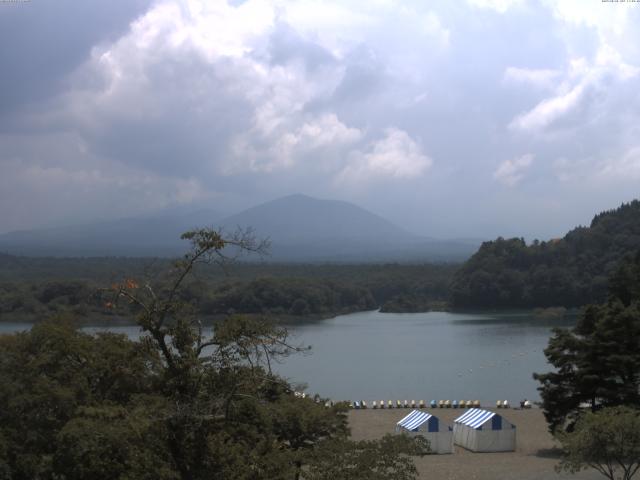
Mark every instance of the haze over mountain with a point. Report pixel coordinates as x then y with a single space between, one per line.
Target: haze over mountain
157 235
300 228
300 218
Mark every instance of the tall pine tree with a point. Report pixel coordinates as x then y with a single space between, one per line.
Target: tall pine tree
598 362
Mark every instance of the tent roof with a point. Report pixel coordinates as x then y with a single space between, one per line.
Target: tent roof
475 417
414 420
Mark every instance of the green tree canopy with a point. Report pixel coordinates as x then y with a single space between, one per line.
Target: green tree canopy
597 363
177 404
607 441
571 271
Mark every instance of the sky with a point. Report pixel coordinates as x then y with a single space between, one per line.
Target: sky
472 118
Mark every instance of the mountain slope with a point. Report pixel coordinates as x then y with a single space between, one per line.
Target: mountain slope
299 218
143 236
571 271
303 228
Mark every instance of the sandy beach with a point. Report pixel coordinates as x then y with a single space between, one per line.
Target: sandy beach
535 456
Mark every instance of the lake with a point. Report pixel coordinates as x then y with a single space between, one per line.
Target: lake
436 355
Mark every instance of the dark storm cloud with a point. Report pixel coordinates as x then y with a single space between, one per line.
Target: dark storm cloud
42 41
187 114
473 118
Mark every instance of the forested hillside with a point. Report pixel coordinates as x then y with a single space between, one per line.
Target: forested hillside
571 271
178 403
33 289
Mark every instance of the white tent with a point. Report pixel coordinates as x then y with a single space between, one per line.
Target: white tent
484 431
422 423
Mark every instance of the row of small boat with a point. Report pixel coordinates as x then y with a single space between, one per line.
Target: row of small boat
412 404
362 404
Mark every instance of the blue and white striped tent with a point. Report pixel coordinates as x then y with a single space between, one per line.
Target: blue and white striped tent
423 423
484 431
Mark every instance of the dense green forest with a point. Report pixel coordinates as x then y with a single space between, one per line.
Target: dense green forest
175 404
32 289
571 271
597 362
506 273
591 397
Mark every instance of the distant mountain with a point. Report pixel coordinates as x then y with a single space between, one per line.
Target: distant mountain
570 271
143 236
301 229
300 219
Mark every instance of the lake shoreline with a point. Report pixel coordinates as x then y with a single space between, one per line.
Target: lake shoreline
105 320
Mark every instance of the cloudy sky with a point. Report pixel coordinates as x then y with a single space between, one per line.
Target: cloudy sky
453 119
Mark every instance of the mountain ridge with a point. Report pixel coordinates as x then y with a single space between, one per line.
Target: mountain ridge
301 228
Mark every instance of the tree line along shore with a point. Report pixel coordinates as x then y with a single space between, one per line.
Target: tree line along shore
568 272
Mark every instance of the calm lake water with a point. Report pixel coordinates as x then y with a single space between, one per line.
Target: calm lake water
436 355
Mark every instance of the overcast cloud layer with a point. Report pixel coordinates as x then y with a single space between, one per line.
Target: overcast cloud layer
477 119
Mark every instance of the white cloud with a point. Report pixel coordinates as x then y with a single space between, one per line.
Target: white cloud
342 26
215 29
610 60
511 172
599 38
335 25
203 86
549 110
619 167
433 26
395 157
326 130
607 70
606 17
541 78
500 6
285 149
208 67
626 168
